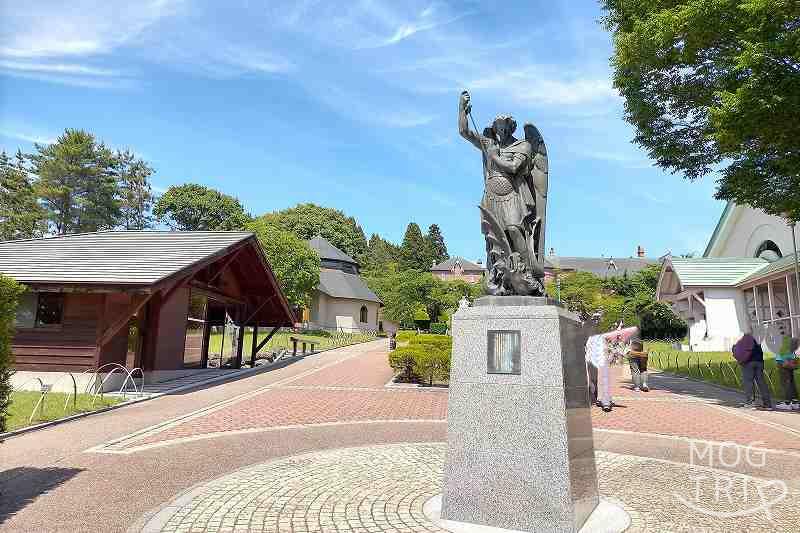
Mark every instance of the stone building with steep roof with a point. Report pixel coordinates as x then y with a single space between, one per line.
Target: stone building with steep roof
342 301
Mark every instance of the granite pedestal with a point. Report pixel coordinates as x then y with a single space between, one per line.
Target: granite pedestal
520 452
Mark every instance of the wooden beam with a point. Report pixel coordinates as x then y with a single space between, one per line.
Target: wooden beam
265 302
265 341
108 333
225 265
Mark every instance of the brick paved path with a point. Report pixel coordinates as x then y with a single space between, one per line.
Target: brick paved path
141 456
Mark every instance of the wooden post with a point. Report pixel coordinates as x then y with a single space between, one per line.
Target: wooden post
254 351
770 299
755 300
239 346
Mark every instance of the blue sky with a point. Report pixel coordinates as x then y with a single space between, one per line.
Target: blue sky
351 105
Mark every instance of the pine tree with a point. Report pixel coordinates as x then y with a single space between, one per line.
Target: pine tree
437 249
414 250
136 194
21 216
77 183
380 254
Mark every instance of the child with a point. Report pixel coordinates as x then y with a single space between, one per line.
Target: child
786 359
637 358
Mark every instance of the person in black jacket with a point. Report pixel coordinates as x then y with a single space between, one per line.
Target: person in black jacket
750 356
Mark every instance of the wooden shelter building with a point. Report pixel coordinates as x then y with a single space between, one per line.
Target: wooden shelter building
167 302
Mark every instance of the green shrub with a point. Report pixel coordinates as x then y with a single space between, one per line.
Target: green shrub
9 293
442 342
402 361
432 364
405 335
438 328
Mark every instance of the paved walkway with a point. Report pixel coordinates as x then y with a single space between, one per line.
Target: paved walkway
308 444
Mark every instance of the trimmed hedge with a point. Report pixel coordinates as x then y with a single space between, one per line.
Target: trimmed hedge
10 291
438 328
425 359
402 361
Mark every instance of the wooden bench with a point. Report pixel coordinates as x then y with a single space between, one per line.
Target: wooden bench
305 342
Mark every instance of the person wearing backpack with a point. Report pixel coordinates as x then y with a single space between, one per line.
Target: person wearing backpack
750 356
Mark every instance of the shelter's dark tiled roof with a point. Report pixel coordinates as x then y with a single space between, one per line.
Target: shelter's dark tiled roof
111 257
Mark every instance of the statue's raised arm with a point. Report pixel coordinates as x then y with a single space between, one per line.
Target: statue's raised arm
464 108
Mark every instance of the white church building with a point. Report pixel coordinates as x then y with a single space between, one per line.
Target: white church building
746 279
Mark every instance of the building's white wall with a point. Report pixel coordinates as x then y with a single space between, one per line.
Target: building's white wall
747 229
724 317
342 313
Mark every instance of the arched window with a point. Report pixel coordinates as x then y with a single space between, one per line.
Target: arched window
364 314
768 250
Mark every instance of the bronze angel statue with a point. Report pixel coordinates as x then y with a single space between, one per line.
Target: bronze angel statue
514 205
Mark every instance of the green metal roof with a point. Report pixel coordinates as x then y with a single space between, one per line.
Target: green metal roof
784 264
715 271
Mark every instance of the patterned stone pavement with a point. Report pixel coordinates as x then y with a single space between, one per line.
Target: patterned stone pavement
384 488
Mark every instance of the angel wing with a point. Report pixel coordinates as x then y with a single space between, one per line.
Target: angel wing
538 180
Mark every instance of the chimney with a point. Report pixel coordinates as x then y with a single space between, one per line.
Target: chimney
639 251
552 251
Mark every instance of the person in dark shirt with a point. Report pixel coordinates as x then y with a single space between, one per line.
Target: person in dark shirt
750 356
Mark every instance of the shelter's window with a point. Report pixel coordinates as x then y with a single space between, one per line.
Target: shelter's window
50 310
364 314
26 311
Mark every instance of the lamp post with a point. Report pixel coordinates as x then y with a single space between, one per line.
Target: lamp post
792 223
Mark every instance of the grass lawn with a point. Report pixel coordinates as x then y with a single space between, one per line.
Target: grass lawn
716 367
322 340
23 402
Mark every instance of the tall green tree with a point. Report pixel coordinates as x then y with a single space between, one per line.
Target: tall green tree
414 252
136 193
380 254
77 183
309 220
193 207
21 216
10 291
404 292
437 249
292 260
715 84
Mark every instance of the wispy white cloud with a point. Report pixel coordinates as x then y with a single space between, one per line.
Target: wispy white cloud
26 136
426 20
79 28
57 68
540 85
